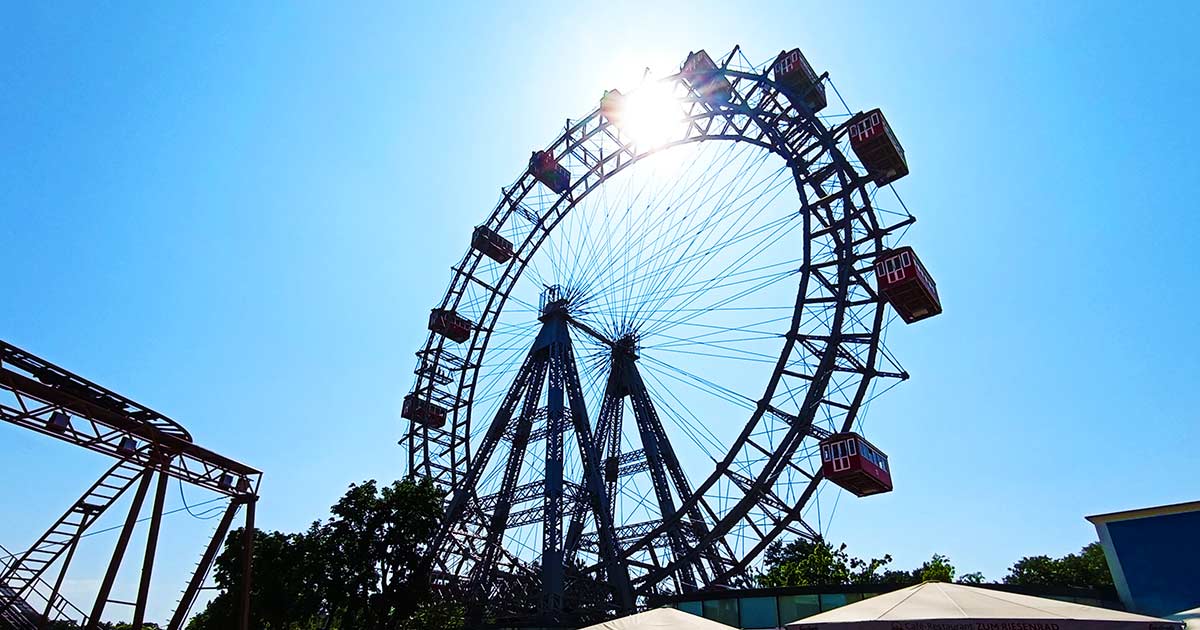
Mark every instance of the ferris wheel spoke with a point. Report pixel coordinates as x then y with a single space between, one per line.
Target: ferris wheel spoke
636 247
696 284
737 264
690 271
703 384
751 329
699 242
695 255
665 322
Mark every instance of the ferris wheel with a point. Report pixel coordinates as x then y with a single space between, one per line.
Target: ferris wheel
660 342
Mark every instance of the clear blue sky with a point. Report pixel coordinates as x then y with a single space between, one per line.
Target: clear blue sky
240 215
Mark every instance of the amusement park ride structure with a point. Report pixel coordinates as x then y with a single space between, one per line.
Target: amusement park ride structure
149 449
494 432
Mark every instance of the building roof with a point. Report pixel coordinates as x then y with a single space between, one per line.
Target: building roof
942 606
1174 508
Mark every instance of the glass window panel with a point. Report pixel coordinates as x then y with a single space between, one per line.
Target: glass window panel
696 608
830 601
759 612
722 610
793 607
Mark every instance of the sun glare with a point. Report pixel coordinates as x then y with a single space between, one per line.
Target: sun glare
652 115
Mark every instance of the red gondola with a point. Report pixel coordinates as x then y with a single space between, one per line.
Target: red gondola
906 285
799 81
422 411
701 73
855 464
449 324
877 147
547 170
491 244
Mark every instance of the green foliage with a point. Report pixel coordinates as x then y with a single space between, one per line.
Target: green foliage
971 578
1088 569
936 569
359 569
805 563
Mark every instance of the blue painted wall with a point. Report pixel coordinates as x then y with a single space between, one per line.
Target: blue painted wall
1160 559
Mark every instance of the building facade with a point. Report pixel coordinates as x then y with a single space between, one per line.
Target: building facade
1154 556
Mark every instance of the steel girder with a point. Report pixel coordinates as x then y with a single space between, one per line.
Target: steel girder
551 362
50 400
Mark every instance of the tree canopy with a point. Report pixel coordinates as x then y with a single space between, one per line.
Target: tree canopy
358 569
810 563
1088 568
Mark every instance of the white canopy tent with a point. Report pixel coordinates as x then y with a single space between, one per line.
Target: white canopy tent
660 619
1189 617
941 606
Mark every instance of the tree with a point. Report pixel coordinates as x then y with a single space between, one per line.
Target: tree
282 589
359 569
803 562
1088 569
807 563
937 568
379 538
972 578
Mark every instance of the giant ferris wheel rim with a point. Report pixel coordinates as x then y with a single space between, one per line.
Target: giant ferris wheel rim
767 137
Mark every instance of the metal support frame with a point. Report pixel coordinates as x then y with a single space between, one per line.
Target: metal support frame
27 570
555 334
247 563
156 514
41 396
114 564
62 573
551 362
202 568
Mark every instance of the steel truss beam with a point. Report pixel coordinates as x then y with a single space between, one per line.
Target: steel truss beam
107 423
551 362
43 397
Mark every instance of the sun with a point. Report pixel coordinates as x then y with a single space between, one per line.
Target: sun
651 116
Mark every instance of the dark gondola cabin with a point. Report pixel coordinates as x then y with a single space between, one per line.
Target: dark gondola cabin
855 464
877 147
491 244
903 281
547 170
799 81
422 411
702 74
449 324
